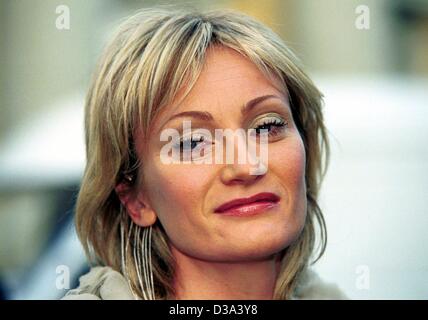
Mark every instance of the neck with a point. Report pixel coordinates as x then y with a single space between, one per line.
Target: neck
207 280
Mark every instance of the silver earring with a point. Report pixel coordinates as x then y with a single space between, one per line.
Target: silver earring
124 255
142 259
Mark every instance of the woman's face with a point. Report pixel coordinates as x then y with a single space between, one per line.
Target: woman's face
184 196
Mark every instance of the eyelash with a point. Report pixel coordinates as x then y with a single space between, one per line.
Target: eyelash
192 140
279 125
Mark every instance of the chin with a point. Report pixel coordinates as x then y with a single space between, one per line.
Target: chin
282 238
264 248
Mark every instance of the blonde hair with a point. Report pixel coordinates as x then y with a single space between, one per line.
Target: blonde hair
153 54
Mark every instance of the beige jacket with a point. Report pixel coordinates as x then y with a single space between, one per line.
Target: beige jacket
103 283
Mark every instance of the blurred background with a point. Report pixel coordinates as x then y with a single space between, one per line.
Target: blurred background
369 58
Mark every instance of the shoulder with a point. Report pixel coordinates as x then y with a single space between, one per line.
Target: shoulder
101 283
313 287
104 283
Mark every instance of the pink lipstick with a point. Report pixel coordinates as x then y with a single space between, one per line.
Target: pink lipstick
250 205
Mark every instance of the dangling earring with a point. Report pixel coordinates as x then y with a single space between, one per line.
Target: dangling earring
124 255
142 261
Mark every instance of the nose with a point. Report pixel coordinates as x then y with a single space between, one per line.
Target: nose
242 170
238 174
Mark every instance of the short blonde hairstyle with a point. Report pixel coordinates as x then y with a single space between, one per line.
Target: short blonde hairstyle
154 54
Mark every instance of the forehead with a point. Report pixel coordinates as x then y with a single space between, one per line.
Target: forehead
226 82
228 75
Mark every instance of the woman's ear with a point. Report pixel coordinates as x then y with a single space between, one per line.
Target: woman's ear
137 208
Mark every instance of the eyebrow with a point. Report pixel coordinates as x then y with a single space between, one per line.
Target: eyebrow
206 116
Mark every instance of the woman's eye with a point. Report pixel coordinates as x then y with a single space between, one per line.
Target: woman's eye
194 147
273 125
191 143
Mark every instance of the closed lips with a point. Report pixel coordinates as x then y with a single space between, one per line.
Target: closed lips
260 197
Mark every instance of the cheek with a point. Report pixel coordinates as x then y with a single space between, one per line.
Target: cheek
176 194
287 161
